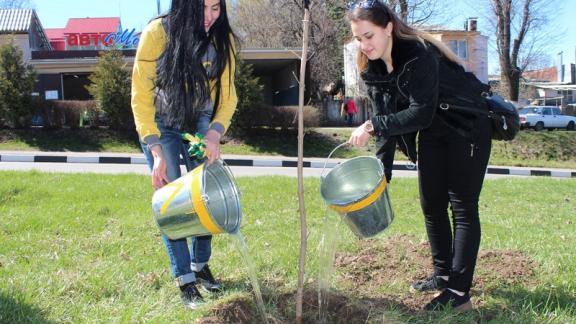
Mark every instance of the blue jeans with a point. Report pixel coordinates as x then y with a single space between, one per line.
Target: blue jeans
183 260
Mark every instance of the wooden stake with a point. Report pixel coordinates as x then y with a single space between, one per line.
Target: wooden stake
303 228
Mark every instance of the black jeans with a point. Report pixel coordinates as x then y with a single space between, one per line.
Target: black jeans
451 172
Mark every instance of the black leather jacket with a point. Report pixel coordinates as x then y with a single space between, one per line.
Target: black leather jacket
407 100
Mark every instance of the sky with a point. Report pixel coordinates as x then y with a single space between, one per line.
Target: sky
137 13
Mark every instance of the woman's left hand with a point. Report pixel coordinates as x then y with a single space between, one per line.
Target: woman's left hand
212 141
361 135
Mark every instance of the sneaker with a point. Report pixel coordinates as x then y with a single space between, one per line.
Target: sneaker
190 296
207 281
429 284
450 299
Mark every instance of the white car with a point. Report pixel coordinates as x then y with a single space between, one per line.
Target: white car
540 117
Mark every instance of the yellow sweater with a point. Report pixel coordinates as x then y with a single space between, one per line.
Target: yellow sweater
151 46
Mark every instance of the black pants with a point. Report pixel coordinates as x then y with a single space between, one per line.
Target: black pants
451 172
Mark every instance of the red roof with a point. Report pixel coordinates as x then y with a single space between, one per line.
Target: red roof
546 74
54 33
92 25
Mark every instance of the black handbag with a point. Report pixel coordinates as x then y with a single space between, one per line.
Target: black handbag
504 117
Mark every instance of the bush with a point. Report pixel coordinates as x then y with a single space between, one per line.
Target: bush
249 93
58 113
16 85
286 117
111 90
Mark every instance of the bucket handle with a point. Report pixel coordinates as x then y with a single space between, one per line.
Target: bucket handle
328 158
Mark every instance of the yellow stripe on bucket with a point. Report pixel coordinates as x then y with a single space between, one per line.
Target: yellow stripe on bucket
166 204
199 206
364 202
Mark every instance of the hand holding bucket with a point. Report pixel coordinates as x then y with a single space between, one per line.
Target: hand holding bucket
357 189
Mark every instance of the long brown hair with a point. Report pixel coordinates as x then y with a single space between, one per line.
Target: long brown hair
379 14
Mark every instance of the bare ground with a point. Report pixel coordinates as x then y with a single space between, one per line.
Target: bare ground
362 278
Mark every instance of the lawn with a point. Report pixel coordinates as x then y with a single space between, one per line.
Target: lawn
84 248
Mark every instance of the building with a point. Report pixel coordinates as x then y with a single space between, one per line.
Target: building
23 27
469 45
544 88
64 57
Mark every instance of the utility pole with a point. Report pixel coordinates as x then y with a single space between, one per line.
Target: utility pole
561 66
158 6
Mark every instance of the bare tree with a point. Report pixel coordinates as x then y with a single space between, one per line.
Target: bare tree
520 38
15 4
418 12
278 24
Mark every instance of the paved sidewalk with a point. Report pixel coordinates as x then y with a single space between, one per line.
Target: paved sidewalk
248 161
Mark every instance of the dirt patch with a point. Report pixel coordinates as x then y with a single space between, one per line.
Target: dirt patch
504 267
361 275
402 260
236 311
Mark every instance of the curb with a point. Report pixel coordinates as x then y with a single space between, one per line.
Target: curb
554 173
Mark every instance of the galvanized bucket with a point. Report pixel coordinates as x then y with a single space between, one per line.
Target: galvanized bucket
204 201
357 189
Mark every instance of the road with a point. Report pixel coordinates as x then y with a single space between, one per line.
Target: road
239 171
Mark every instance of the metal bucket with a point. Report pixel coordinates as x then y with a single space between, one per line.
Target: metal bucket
204 201
357 189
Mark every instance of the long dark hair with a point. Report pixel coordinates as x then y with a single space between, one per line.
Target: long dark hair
180 72
378 13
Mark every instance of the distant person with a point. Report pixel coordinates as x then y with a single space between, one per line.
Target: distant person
350 111
412 80
183 81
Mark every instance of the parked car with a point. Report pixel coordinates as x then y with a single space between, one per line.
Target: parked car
549 117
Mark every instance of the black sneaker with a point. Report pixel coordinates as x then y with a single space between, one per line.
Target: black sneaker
450 299
190 296
207 281
429 284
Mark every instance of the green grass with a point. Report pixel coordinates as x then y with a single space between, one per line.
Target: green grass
318 142
84 248
80 140
555 149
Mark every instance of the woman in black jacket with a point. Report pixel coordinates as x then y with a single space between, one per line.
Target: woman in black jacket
414 81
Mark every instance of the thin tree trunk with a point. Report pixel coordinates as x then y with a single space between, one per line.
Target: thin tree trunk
303 229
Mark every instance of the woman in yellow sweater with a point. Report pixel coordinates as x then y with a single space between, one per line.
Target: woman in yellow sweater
183 81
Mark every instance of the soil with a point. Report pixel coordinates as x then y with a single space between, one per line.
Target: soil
363 275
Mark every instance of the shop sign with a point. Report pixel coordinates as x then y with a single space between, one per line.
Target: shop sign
120 39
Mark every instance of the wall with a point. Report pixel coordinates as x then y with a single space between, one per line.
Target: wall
20 40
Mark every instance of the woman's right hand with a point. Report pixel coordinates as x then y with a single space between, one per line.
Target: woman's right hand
361 135
159 177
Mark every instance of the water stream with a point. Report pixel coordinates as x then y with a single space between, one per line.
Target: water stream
251 270
327 253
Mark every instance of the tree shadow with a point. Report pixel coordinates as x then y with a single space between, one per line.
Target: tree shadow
15 310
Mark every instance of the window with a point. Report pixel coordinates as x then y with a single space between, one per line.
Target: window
567 94
547 111
459 47
529 110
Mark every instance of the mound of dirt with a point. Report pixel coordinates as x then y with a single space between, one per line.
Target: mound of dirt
400 260
403 260
236 311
